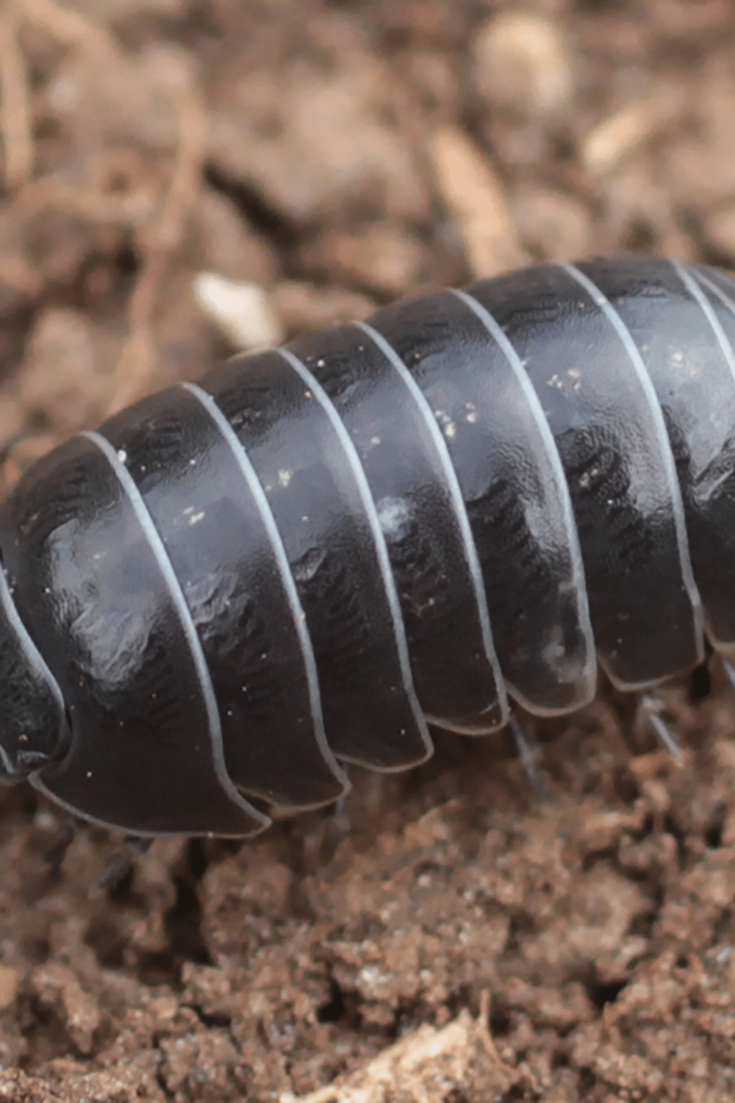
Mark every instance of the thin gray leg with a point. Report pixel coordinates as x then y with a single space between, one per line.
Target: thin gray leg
651 707
122 861
528 754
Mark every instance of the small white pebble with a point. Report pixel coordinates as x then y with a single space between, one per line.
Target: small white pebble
241 311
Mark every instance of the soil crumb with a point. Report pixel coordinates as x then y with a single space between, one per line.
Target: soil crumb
168 166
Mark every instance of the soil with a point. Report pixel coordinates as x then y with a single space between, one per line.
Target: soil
449 937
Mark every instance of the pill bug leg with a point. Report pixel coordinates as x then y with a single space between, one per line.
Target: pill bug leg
341 814
339 824
58 848
729 673
122 860
528 753
651 707
118 865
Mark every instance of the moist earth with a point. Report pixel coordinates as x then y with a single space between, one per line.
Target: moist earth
450 937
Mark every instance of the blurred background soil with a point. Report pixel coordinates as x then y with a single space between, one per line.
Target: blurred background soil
171 165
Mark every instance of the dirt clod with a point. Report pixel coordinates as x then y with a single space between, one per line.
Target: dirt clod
462 942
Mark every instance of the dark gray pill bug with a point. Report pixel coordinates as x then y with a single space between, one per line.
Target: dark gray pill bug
236 586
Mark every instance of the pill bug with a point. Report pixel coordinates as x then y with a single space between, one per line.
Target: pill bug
235 586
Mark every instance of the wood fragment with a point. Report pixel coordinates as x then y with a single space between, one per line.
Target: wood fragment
424 1067
522 63
70 28
135 370
617 137
474 195
15 105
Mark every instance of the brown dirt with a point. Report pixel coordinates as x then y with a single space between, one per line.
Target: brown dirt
461 942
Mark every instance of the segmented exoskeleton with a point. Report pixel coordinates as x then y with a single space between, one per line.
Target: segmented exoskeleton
317 551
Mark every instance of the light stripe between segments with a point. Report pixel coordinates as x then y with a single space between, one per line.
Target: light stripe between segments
30 649
575 552
314 386
715 288
677 504
455 493
690 282
299 617
157 547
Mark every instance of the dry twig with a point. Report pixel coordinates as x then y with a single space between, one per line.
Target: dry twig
15 108
136 363
70 28
474 195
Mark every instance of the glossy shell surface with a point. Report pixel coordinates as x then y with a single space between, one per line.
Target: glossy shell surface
315 552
